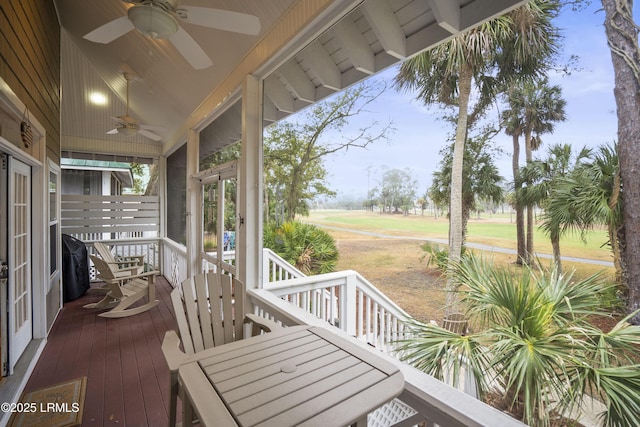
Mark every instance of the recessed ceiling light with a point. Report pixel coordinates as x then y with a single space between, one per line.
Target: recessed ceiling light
98 98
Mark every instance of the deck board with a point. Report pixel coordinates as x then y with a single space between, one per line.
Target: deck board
127 377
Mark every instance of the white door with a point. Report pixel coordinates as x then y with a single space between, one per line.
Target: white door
219 215
19 301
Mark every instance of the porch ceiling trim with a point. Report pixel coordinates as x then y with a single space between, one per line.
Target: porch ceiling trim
371 38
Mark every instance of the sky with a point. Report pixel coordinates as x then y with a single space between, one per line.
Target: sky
420 133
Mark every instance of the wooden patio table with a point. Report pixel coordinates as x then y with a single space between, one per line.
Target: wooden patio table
301 375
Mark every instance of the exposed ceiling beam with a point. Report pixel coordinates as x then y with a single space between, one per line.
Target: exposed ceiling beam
447 13
426 38
356 46
298 81
278 94
269 111
386 27
479 11
319 61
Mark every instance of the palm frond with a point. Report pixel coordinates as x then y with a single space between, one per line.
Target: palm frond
446 355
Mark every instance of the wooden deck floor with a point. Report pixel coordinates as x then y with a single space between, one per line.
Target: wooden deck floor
127 377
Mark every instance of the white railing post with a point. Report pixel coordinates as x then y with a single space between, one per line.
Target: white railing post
348 304
266 267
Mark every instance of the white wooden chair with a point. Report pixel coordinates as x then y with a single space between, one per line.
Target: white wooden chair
122 292
210 311
121 266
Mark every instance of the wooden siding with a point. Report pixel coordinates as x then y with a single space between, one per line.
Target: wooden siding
30 62
132 216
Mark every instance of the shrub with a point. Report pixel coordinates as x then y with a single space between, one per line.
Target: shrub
536 338
438 257
305 246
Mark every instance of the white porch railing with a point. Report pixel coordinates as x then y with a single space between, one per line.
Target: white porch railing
228 262
343 299
174 266
174 262
276 269
348 301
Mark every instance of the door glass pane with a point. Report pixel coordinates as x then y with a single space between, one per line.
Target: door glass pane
210 217
53 248
229 215
53 191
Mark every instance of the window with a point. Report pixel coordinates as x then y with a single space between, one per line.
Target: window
54 218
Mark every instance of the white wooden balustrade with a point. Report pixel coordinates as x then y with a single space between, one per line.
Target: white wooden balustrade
343 299
275 268
348 301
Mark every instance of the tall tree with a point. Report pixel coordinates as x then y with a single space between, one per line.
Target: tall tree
518 43
534 107
398 189
294 152
622 35
482 177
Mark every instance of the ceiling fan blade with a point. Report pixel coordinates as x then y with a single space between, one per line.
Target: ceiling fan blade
149 134
153 128
118 120
190 49
220 19
110 31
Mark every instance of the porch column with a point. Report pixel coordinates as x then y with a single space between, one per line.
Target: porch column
193 201
249 242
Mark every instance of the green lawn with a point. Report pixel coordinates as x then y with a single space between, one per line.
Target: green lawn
496 230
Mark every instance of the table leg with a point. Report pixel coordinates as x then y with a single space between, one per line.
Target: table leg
362 422
187 412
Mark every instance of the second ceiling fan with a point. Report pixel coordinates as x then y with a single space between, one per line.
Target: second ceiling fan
157 19
129 126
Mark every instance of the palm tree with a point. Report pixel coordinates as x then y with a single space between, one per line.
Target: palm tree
534 107
535 340
545 178
591 195
518 43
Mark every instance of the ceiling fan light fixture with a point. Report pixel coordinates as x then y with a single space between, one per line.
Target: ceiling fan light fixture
152 21
127 131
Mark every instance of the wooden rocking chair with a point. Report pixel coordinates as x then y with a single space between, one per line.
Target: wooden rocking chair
210 311
122 292
121 266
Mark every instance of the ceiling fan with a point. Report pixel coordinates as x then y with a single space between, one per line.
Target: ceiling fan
129 126
157 19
